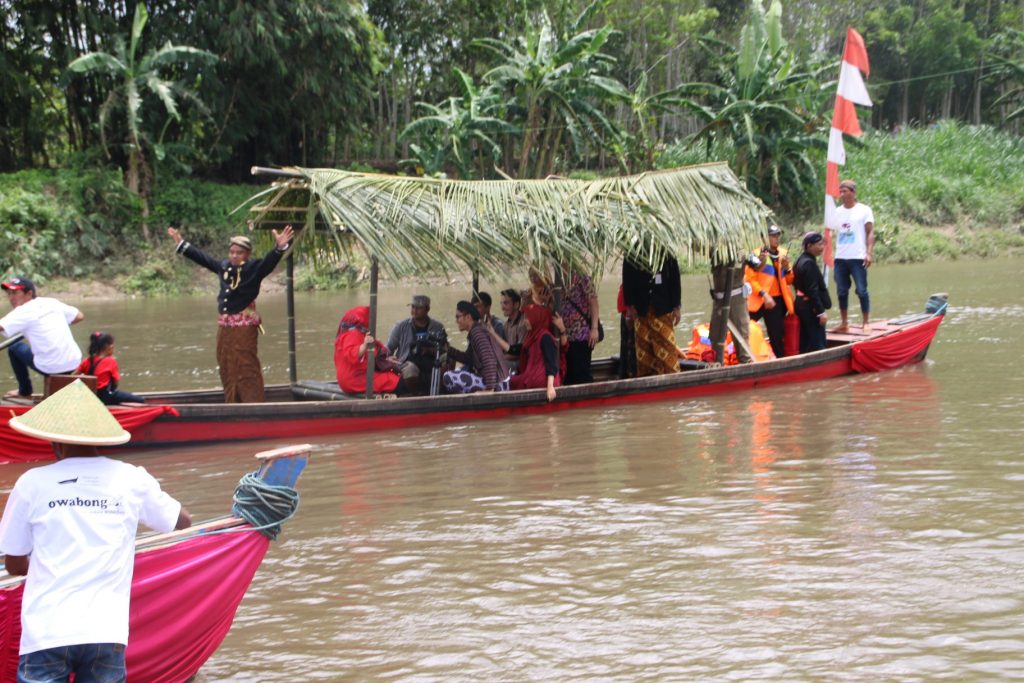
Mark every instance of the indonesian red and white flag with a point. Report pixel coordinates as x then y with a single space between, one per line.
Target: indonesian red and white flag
851 91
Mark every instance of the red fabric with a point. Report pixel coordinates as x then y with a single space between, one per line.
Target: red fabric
894 350
184 598
17 447
533 373
105 370
349 368
856 53
791 340
832 179
828 257
844 117
620 304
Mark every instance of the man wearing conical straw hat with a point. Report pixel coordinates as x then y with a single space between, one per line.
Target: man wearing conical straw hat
70 527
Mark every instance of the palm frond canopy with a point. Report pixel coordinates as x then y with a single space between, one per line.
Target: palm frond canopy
417 226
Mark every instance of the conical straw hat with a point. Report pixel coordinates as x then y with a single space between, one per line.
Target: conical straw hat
72 415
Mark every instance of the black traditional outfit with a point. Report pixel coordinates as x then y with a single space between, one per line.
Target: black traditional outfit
655 296
812 300
238 322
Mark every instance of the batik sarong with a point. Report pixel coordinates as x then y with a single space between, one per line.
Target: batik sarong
241 373
655 345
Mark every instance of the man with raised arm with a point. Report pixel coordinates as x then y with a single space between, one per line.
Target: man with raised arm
238 323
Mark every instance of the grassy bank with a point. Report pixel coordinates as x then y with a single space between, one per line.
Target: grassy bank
945 192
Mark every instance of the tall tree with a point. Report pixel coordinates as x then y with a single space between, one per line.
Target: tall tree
134 76
767 104
557 85
292 77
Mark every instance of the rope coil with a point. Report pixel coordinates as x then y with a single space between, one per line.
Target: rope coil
264 506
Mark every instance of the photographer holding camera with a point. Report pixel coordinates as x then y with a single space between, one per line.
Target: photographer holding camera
416 343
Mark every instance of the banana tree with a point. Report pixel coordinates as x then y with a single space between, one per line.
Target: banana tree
768 104
458 132
134 76
557 86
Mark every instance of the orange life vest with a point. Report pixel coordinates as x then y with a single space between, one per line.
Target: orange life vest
766 279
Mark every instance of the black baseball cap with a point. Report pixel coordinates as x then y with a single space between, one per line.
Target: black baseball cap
19 284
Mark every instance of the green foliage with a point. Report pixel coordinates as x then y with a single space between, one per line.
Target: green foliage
557 85
459 132
200 209
946 174
135 76
68 223
768 104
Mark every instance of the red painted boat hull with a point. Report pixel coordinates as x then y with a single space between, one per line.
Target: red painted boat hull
201 423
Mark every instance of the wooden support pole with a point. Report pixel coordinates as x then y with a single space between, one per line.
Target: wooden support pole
371 352
718 343
293 369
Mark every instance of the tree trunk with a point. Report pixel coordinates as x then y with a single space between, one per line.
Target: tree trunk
531 131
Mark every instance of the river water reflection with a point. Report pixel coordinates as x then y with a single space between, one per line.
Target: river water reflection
855 529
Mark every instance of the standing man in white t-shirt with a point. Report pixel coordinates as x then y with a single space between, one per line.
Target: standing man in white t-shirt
70 527
45 324
855 242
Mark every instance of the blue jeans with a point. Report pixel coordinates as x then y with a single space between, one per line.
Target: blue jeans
21 360
91 663
845 269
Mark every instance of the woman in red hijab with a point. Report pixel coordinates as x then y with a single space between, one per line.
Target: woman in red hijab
538 358
350 347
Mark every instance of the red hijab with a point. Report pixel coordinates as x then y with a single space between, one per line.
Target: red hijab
539 318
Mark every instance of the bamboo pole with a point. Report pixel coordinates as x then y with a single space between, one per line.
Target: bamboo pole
371 352
275 172
718 343
293 369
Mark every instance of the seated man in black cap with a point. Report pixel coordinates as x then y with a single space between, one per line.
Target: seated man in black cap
416 344
238 323
70 527
45 324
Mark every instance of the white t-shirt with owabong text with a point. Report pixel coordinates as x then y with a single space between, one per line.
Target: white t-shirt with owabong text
78 518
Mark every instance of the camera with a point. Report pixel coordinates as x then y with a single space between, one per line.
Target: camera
431 344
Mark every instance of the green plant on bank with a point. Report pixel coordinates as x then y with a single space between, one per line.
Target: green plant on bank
766 103
947 174
458 133
556 86
134 76
68 223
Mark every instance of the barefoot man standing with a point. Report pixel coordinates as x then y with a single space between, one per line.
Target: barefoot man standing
855 242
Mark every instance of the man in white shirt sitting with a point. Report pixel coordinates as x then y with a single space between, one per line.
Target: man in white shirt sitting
70 527
45 324
854 227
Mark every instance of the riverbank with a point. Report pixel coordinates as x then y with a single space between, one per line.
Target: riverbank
941 193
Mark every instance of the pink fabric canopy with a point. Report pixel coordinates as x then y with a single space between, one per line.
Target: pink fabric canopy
184 598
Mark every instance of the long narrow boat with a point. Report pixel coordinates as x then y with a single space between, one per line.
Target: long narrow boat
414 226
310 408
186 587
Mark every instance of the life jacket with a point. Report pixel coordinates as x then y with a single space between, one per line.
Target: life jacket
761 280
701 349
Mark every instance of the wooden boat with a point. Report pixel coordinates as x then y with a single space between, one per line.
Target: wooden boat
412 224
186 587
310 408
